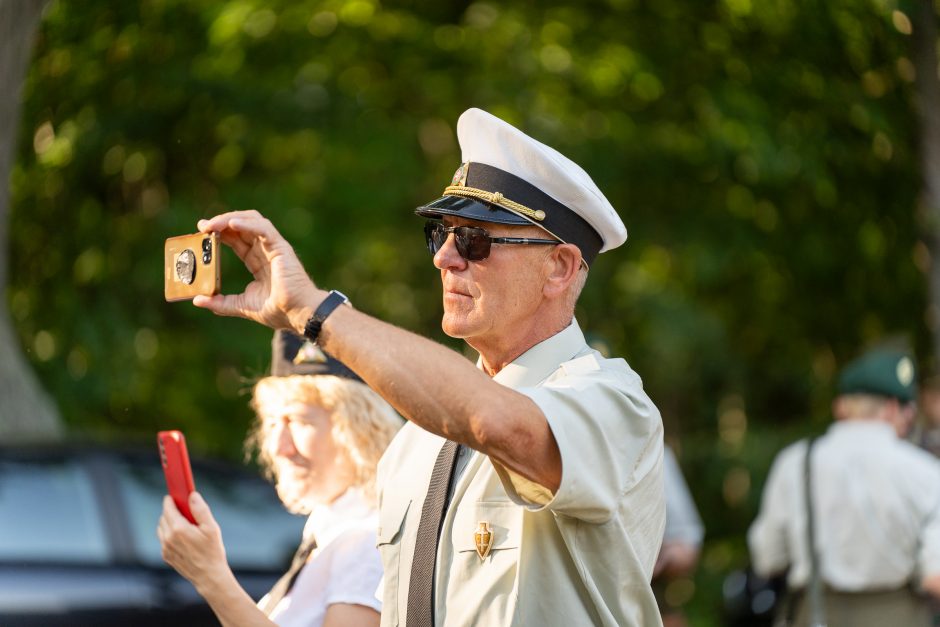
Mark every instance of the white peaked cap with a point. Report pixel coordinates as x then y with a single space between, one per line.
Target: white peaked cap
520 180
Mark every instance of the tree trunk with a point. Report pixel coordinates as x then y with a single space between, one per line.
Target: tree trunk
928 105
26 411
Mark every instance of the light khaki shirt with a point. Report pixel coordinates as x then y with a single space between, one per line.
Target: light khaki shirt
583 556
876 509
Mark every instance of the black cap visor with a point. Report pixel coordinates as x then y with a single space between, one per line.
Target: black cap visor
469 209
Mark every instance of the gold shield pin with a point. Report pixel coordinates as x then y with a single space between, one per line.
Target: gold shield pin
483 538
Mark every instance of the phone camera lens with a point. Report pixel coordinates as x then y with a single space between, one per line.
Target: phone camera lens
206 251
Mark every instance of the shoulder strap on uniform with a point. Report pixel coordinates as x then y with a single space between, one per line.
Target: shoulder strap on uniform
817 610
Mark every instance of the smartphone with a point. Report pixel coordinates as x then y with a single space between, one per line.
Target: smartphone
176 469
191 266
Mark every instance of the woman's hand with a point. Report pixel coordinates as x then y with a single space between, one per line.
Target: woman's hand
197 553
194 551
281 295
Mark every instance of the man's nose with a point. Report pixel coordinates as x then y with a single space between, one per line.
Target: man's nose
448 257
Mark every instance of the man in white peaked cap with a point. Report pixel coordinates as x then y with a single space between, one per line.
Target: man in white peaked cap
526 490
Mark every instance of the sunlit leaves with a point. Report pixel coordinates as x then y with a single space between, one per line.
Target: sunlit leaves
762 155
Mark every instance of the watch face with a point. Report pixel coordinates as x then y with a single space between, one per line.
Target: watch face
186 266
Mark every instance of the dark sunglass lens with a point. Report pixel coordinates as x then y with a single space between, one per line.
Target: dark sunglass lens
435 235
473 243
439 236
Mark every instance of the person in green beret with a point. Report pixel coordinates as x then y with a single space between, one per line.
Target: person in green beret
874 505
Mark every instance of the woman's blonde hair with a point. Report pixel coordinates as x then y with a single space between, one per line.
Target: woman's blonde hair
363 423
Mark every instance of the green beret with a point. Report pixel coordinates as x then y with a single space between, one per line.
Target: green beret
882 372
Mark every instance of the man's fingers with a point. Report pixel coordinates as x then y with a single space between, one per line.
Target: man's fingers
221 221
239 238
250 222
223 305
252 236
253 223
237 242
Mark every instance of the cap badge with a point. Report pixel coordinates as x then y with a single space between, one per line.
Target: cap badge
460 176
905 371
483 539
309 354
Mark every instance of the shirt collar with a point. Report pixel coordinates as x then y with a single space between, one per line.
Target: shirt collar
539 362
326 522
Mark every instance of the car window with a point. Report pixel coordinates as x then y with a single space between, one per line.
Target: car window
257 531
48 512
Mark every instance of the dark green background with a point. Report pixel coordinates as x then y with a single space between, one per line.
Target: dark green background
762 155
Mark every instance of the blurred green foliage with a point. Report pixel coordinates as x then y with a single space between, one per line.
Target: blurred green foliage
762 154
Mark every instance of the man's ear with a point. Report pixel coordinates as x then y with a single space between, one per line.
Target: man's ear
563 264
836 406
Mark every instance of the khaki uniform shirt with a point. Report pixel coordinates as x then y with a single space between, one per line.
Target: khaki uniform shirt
876 509
583 556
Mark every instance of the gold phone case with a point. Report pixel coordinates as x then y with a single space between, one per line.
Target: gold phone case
191 266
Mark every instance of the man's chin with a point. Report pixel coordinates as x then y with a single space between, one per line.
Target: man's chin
454 327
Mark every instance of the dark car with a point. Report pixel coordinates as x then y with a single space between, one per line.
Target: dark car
78 541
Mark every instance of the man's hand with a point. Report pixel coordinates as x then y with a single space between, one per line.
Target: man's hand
281 295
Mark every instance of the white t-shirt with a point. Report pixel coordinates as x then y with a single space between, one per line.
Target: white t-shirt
344 568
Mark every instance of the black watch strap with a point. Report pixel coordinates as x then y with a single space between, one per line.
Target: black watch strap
333 300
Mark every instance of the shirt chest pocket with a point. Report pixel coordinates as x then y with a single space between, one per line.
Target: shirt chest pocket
486 540
487 528
391 527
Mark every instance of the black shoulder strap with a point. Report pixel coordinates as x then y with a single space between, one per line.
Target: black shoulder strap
817 611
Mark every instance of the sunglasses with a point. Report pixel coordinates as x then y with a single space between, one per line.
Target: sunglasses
473 243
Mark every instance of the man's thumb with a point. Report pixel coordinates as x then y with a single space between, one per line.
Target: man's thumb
223 305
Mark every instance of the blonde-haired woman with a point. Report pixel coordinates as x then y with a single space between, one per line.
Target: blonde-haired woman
319 434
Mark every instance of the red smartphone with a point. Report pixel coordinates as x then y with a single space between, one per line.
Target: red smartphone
176 469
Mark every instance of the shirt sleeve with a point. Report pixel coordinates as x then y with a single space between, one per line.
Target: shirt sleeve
356 571
767 536
927 481
928 558
609 435
683 523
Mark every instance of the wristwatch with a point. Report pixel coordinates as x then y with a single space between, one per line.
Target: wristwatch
333 300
